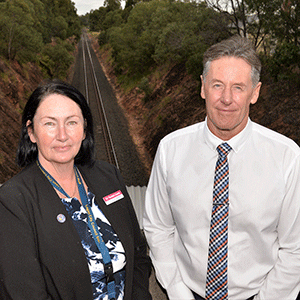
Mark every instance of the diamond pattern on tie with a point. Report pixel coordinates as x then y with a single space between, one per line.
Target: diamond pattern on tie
216 280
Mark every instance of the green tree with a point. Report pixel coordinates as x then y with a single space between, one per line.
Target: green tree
66 13
56 59
261 19
96 19
38 30
19 37
112 19
159 32
274 27
133 43
287 24
112 5
192 29
59 27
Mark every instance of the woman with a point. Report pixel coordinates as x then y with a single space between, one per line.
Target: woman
68 227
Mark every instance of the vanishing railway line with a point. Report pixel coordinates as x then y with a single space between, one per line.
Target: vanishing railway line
92 90
113 142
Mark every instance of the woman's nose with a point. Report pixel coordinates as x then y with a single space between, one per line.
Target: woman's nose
62 133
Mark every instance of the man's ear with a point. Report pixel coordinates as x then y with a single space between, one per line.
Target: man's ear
255 93
202 93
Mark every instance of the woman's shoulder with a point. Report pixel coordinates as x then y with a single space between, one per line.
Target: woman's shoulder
24 175
20 192
104 174
99 167
22 182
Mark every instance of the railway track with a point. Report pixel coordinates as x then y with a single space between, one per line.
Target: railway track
93 93
113 142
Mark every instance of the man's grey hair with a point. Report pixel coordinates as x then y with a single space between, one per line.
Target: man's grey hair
235 46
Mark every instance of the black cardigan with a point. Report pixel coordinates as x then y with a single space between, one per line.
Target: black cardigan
41 258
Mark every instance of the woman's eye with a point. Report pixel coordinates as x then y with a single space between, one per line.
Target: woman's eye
72 123
49 124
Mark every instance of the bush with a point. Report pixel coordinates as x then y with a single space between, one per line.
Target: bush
56 60
145 87
102 38
284 64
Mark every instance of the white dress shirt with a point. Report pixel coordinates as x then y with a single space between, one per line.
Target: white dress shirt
264 212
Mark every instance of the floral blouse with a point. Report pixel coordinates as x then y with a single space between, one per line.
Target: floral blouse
94 258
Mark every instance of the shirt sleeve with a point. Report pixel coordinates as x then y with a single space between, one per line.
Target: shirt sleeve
283 281
159 229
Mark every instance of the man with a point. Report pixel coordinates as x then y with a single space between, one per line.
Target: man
250 204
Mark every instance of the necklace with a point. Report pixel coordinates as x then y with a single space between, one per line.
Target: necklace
74 192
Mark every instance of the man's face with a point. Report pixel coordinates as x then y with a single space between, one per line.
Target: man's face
228 92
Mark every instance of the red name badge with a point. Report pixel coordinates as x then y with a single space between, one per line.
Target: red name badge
111 198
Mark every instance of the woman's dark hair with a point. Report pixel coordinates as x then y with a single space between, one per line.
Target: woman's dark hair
27 151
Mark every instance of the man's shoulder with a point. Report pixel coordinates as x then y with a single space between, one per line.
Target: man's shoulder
275 137
184 133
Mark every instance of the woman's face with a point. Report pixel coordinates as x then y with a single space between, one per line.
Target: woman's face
58 130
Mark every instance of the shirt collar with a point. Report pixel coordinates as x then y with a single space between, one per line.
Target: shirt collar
236 143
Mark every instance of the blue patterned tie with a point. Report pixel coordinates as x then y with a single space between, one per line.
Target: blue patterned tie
216 280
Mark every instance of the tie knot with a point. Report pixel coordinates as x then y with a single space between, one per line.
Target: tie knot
223 149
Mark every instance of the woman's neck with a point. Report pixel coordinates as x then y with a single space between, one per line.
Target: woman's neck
64 175
59 171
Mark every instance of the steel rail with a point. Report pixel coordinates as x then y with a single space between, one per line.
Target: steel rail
84 69
110 149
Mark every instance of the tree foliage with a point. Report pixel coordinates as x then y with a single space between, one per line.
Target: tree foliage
261 19
19 35
96 19
159 32
31 29
51 59
112 5
146 34
274 27
287 22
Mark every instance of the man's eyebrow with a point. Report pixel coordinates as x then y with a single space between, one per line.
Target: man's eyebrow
215 80
240 83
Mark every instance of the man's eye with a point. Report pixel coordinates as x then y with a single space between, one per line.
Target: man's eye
239 88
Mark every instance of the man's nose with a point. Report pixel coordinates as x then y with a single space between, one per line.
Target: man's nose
226 96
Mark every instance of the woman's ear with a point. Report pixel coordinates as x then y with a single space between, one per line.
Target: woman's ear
85 126
29 126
